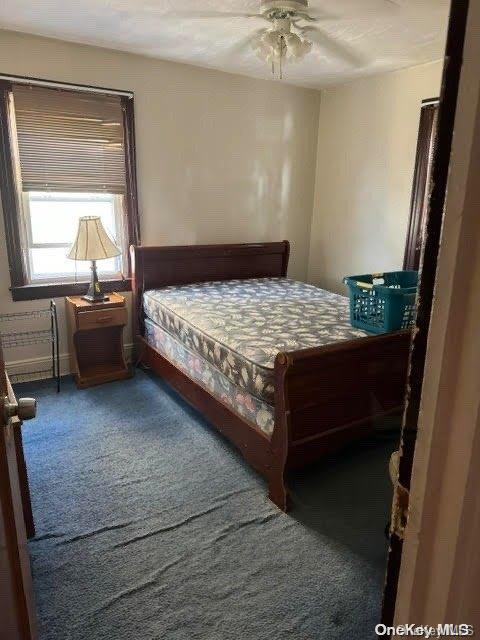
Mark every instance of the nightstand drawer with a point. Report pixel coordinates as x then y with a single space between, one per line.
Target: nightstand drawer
101 318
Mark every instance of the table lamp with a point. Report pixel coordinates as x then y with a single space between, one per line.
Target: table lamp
92 243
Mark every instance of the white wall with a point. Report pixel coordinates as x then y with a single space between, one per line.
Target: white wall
367 139
220 157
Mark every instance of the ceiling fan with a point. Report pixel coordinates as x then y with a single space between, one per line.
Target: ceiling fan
291 32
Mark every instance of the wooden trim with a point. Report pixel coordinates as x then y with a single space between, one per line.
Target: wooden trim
440 567
421 186
12 545
286 258
446 119
131 196
136 265
9 191
18 621
24 484
11 205
62 289
16 425
52 84
441 162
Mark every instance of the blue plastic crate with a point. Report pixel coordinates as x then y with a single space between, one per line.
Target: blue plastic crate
381 302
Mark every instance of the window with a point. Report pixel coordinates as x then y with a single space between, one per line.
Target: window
50 221
67 153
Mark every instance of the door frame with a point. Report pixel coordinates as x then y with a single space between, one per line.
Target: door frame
440 572
416 582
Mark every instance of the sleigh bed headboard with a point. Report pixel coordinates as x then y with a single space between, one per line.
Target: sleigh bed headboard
155 267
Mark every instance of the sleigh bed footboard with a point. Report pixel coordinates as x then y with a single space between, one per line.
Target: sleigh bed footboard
328 396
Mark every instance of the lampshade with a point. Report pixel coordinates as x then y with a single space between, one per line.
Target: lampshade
92 241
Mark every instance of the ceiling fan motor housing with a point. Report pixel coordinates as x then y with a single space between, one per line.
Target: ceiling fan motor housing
283 8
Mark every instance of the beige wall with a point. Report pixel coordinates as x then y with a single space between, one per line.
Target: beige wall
366 152
225 158
221 158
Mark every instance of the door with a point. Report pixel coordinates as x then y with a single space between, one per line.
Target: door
428 267
17 620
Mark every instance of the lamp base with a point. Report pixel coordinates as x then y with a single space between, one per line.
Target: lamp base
94 293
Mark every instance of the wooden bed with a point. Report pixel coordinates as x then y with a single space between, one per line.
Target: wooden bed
324 397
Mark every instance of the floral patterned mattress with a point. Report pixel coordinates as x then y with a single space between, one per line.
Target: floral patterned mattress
240 326
259 413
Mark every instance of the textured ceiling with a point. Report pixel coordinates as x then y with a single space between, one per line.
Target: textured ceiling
362 37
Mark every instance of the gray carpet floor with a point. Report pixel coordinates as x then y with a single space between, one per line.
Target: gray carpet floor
151 526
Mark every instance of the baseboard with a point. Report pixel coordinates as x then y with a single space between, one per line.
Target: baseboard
30 368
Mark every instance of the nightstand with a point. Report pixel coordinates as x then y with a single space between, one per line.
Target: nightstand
95 334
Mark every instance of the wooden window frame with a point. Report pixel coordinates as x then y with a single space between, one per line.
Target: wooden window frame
421 183
20 288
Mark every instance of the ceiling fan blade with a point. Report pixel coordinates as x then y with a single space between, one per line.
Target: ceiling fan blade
309 18
314 14
339 50
211 14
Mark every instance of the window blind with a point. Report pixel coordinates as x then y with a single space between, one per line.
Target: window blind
69 140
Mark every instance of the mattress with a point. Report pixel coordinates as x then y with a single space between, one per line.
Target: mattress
248 407
239 326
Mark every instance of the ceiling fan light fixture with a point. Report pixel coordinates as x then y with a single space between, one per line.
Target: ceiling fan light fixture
280 44
285 6
271 38
277 46
305 48
294 44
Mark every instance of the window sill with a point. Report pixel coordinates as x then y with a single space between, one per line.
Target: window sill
61 289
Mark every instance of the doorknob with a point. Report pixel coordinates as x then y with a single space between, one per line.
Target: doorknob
24 408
